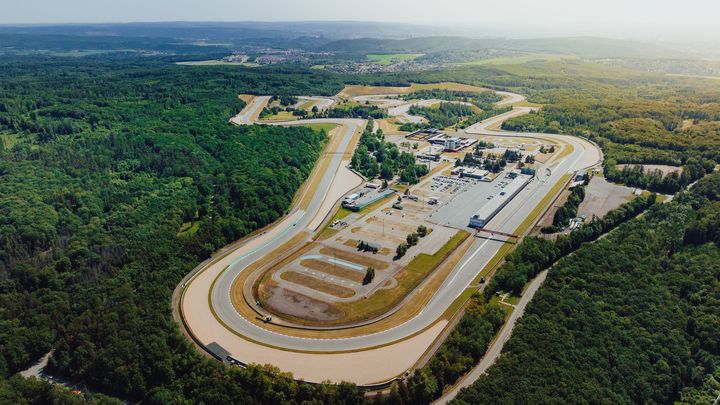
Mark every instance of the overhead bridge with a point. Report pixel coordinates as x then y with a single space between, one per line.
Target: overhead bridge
493 233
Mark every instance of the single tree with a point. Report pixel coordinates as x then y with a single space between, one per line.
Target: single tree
369 276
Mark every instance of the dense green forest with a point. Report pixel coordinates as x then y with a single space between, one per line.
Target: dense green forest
103 166
445 115
631 318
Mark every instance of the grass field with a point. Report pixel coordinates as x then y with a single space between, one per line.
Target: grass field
388 59
321 127
424 262
282 116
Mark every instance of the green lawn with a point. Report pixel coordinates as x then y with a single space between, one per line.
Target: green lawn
388 59
425 262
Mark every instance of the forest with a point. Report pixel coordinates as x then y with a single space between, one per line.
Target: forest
105 165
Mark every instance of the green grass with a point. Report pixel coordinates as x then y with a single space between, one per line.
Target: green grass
513 299
321 127
341 213
282 116
188 228
458 303
425 262
389 59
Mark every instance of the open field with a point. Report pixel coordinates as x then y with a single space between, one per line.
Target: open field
327 127
282 116
387 59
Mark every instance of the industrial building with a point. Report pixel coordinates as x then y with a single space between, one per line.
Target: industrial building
478 174
452 144
498 202
365 197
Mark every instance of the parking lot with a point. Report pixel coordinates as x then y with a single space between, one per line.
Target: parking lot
463 202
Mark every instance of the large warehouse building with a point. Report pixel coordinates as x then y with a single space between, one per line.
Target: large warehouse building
498 202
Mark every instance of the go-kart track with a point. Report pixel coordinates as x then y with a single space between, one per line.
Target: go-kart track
365 355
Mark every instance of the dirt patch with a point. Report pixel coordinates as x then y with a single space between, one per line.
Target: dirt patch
665 169
247 98
351 243
327 268
317 284
686 124
388 126
602 196
292 303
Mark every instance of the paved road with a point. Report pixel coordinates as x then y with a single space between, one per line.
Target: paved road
251 111
199 315
510 98
495 349
322 103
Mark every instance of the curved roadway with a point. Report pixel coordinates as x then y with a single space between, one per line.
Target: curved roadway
317 359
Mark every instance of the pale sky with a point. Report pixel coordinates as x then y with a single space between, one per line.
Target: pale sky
628 18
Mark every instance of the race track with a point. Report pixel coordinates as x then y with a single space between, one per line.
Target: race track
209 314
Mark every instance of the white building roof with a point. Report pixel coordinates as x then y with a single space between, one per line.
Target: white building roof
487 211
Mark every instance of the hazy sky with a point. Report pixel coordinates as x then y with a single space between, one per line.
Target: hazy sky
632 18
